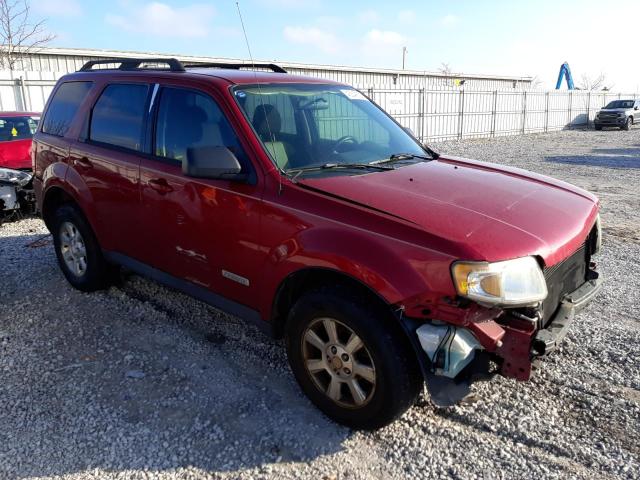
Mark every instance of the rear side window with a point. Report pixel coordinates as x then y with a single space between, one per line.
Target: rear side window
63 107
118 116
187 118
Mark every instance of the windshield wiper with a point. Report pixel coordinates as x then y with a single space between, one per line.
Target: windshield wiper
331 166
398 157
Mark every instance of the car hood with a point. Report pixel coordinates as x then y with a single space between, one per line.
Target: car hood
614 110
491 212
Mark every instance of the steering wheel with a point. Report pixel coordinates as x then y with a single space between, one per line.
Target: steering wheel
342 140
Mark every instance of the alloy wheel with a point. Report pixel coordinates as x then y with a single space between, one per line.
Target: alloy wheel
73 249
338 362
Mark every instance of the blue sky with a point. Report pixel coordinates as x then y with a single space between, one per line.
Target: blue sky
502 37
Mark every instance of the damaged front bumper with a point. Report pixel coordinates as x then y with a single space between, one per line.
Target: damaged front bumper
16 192
452 357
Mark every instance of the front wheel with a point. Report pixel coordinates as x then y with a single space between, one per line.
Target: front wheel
627 124
350 359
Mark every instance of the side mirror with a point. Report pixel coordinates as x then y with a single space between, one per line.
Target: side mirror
636 107
212 162
409 131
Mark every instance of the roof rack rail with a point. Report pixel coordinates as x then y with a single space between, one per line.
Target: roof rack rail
236 66
134 63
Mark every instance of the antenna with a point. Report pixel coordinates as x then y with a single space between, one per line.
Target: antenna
266 117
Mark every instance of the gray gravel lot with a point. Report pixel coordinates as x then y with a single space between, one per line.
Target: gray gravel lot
140 381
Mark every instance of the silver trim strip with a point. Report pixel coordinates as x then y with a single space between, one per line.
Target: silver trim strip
153 95
236 278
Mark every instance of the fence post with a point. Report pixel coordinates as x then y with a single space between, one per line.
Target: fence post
546 113
461 115
494 113
23 93
570 106
421 110
524 112
588 106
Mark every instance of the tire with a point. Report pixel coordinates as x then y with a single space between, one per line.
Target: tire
79 254
384 367
627 124
598 127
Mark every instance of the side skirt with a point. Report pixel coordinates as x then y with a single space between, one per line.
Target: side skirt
217 301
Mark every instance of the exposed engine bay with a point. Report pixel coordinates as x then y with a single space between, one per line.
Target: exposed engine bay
17 198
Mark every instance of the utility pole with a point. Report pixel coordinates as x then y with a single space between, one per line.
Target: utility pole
404 55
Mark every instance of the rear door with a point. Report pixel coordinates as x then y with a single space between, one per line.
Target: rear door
107 157
202 230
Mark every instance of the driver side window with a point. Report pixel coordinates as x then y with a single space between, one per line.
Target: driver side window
187 118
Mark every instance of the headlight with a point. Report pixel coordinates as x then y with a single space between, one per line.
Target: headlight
513 283
597 114
15 177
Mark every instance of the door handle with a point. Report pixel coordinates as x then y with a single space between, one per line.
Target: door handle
160 185
83 162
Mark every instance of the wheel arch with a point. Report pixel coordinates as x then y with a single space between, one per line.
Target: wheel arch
54 197
301 281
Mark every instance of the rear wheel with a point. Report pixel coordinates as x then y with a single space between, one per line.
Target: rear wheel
350 360
79 254
627 124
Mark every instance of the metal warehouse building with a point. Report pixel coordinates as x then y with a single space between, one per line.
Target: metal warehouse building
65 60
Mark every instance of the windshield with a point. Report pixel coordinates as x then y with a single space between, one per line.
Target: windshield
17 128
304 126
620 104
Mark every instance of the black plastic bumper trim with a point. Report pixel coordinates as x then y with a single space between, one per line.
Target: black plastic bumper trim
549 338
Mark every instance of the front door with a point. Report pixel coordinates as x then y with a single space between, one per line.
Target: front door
201 230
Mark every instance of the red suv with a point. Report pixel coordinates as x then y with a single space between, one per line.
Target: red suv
300 205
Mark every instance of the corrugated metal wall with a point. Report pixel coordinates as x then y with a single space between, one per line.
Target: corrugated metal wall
431 114
358 77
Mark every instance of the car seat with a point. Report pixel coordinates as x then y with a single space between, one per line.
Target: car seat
268 123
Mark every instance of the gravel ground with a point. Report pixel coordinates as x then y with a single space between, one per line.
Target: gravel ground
140 381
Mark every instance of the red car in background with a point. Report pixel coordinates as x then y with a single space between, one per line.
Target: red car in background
16 132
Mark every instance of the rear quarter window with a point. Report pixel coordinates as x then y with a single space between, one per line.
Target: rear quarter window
118 116
63 107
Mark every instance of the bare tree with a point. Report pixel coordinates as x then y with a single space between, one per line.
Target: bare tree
536 83
18 35
447 79
445 69
594 83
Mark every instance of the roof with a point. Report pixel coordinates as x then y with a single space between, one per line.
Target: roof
78 52
237 77
242 77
